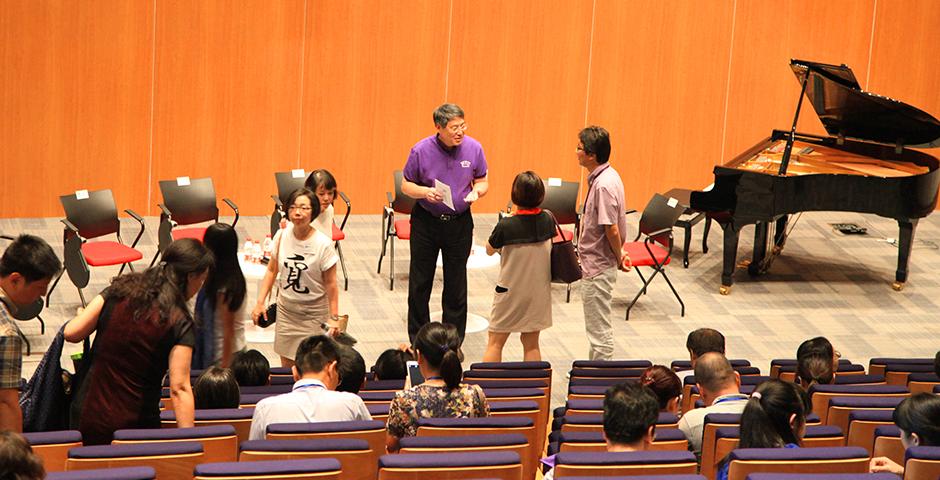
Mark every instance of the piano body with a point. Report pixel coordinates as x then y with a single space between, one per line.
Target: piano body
865 166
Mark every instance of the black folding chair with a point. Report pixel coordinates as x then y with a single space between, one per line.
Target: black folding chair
392 228
187 202
655 249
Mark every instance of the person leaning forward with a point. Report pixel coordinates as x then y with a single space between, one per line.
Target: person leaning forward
453 158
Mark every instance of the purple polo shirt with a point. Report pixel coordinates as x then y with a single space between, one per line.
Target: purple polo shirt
457 167
605 205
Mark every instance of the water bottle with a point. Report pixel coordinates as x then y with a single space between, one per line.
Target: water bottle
246 249
267 246
256 252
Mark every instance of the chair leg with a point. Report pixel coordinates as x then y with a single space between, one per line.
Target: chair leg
42 325
342 263
381 256
81 296
22 335
687 241
642 279
674 292
56 282
641 292
391 265
568 296
155 257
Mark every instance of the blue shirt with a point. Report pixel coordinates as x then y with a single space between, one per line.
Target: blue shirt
458 167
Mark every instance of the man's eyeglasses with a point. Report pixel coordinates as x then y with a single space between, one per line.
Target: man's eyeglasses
461 127
302 208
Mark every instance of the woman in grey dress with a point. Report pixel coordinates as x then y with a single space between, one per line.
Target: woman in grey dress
523 298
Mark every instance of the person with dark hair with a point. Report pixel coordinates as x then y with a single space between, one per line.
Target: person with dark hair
27 266
698 343
816 362
303 263
442 225
216 388
220 304
323 184
17 460
918 418
352 370
251 369
392 364
719 385
600 246
144 328
665 384
441 395
523 298
314 397
936 364
774 417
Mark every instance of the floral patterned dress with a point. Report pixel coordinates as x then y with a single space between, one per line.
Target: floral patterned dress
427 401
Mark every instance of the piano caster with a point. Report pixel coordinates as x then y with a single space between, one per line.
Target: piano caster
724 289
897 286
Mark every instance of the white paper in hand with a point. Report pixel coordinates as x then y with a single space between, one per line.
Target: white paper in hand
444 190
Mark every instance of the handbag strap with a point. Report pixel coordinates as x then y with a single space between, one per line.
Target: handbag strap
561 233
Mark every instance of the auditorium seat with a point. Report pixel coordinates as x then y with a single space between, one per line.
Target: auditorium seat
747 461
450 466
314 468
372 431
354 455
862 426
606 464
121 473
921 463
219 442
878 365
841 407
452 427
169 460
887 443
53 447
922 382
818 436
239 418
821 394
505 442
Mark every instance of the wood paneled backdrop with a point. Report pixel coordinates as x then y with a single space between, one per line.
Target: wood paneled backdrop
120 94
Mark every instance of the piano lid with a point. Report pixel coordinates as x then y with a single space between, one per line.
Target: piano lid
844 108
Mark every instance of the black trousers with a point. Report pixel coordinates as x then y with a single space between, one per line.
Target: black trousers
453 238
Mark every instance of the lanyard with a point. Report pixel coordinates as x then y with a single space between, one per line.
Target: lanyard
732 398
308 385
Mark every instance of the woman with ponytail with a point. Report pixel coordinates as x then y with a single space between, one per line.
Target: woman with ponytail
144 328
775 417
816 362
918 418
441 395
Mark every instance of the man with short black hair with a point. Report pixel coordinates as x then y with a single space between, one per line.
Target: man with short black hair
352 370
720 388
313 398
26 268
698 343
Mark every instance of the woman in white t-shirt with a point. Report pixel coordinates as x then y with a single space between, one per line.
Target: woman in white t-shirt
322 183
305 271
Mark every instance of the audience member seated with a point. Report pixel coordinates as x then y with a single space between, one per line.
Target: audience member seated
699 342
392 364
144 327
936 364
719 386
775 417
352 370
216 388
251 369
313 399
816 362
664 383
918 418
17 460
630 413
441 395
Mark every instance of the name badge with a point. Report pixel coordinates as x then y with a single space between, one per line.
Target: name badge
465 163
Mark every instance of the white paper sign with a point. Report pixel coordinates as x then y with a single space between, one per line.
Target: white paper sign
182 181
297 173
554 182
81 194
672 202
444 190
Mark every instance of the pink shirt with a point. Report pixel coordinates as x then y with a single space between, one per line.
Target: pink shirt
605 205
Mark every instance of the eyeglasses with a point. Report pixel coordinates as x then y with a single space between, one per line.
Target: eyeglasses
302 208
581 148
460 127
838 354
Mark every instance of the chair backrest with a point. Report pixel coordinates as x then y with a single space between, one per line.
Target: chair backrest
379 412
451 466
121 473
169 460
219 442
821 394
666 439
611 364
192 203
712 424
817 436
401 203
823 476
93 213
317 468
287 182
239 418
922 462
505 442
887 443
923 382
487 426
354 455
661 212
53 447
840 408
863 424
745 461
372 431
877 365
561 198
606 464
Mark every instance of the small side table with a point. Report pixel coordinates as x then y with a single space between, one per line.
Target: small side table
687 220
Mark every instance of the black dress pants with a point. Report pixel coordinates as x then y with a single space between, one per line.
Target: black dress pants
453 237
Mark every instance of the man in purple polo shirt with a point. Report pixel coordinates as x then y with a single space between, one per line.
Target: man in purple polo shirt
457 160
600 245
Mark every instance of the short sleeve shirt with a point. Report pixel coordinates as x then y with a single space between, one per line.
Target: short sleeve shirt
605 205
11 345
426 401
458 167
301 264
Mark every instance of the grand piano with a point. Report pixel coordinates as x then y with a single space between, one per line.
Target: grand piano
865 165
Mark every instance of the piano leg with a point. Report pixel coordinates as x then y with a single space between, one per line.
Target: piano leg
731 233
708 226
781 234
760 249
905 241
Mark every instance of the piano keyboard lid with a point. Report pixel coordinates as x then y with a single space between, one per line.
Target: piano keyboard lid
847 110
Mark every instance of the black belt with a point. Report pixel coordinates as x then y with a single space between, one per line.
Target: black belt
446 217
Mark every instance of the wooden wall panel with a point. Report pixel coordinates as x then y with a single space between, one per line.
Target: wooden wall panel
767 35
520 73
905 54
74 97
227 95
658 82
373 75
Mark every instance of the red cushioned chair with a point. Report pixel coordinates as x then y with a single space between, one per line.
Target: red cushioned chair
287 182
187 202
90 215
392 228
655 249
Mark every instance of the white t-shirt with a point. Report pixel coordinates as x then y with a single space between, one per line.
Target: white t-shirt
238 330
301 264
324 222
